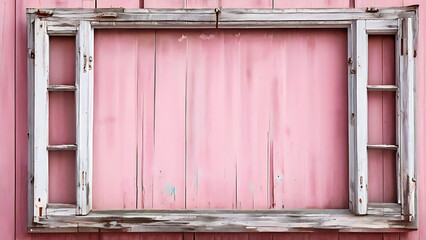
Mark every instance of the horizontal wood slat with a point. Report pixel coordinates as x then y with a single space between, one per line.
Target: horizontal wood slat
58 88
304 220
383 146
59 209
217 18
384 88
66 147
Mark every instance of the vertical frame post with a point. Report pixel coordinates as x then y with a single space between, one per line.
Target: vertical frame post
398 78
358 120
39 128
351 114
84 112
30 88
408 148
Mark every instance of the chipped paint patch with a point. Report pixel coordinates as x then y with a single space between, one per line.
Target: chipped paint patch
182 38
169 189
280 178
207 37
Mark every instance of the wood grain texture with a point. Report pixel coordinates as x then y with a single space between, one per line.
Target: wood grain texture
145 74
297 161
255 85
168 164
338 220
115 116
211 121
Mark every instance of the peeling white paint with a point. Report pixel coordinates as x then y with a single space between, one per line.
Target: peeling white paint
207 37
182 38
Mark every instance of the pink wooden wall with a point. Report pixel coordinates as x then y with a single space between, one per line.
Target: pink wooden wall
256 137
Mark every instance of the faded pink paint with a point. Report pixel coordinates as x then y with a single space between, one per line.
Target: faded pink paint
253 123
211 121
144 115
228 4
168 164
120 4
146 71
7 119
379 3
115 121
381 116
164 3
311 3
62 164
309 121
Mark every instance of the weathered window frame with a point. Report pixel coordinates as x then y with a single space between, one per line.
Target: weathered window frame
361 216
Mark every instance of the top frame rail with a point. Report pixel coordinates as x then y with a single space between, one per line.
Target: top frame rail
218 18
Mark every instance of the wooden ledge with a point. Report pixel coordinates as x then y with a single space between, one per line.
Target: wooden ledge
309 220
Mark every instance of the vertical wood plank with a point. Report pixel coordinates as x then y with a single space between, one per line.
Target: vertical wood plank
145 108
7 119
210 122
253 124
115 120
168 164
307 124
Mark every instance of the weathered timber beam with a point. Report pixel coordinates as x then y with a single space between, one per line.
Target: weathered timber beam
229 221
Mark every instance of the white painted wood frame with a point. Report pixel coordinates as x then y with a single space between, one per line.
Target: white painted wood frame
40 118
408 120
361 215
84 110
